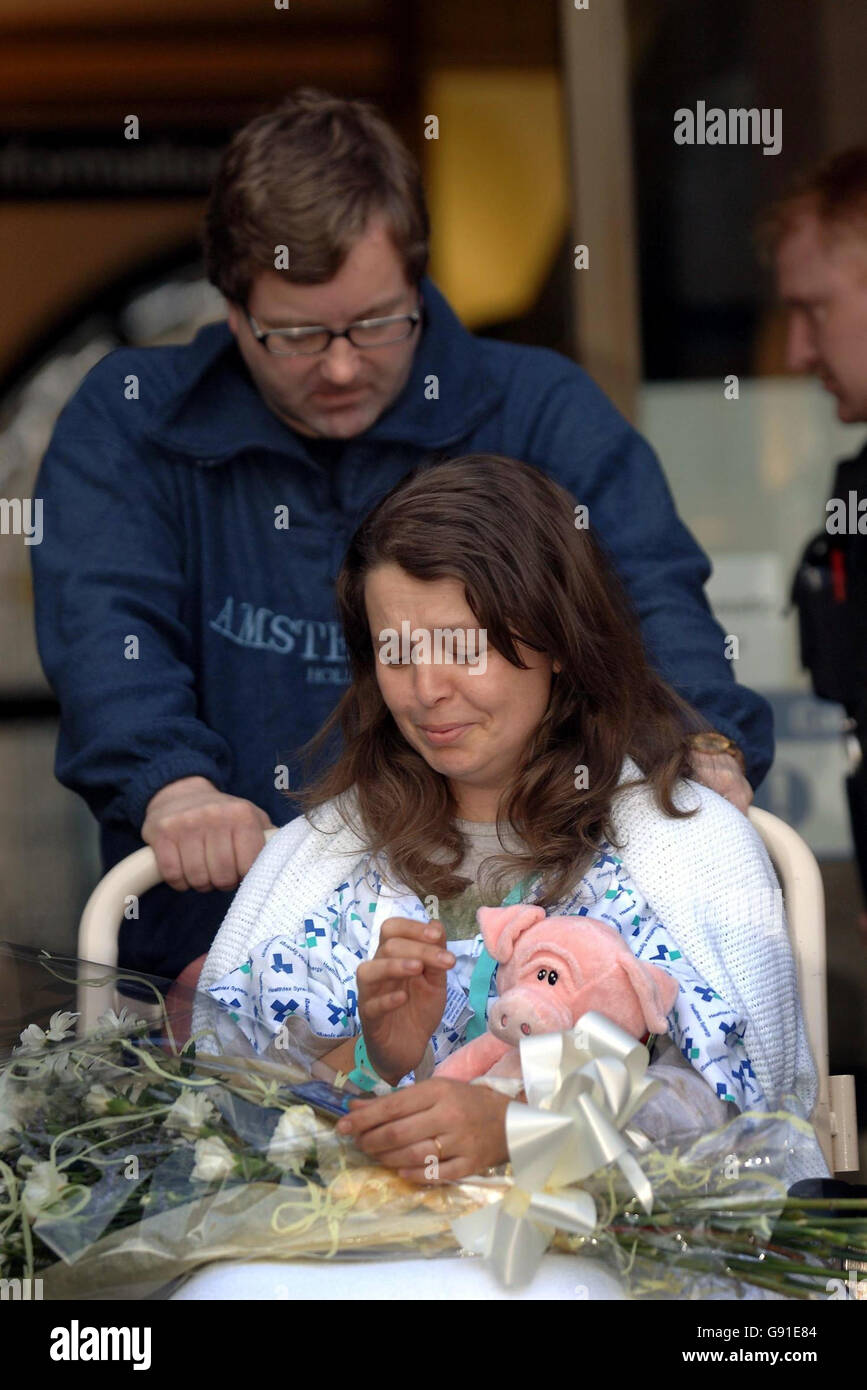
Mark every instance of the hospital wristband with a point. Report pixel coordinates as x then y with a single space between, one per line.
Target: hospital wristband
364 1076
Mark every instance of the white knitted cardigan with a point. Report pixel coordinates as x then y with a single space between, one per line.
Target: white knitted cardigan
708 878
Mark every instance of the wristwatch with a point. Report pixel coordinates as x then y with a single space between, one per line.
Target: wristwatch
716 743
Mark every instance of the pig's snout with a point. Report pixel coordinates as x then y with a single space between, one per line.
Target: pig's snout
523 1012
525 1027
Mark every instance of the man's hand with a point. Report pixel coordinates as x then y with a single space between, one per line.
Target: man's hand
402 994
438 1130
202 838
722 773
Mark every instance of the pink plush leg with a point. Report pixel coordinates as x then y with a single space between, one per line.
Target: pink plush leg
474 1058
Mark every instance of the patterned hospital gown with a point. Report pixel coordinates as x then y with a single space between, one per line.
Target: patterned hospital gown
306 980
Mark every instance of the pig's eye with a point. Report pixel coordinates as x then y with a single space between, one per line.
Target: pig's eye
552 977
542 975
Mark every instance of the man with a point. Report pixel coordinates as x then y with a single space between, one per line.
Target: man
818 239
198 501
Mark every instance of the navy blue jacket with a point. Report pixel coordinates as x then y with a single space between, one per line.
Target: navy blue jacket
158 517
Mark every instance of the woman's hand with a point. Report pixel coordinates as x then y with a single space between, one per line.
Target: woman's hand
402 994
437 1130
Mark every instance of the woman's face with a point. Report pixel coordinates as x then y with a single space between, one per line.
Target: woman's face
470 722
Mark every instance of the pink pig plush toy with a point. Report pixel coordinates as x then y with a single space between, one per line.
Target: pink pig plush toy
553 970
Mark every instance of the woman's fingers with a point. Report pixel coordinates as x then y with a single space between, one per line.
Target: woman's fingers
387 968
406 948
369 1114
376 981
383 970
403 1140
436 1130
406 927
418 1146
401 948
382 1004
396 1127
421 1157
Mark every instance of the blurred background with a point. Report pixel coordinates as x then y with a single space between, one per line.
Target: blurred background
555 129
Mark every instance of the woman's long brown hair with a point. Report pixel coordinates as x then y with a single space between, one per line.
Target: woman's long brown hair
530 574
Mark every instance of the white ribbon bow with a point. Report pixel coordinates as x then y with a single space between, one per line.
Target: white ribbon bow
582 1087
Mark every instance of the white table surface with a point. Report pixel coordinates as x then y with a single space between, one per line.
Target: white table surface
561 1277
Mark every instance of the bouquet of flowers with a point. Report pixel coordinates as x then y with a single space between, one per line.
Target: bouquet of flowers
127 1161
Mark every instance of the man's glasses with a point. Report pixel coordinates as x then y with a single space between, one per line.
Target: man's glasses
366 333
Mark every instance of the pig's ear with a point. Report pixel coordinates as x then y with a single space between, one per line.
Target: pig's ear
501 927
655 989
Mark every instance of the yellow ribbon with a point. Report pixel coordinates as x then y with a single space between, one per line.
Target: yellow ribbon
582 1087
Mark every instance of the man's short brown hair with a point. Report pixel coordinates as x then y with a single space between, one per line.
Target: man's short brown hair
836 192
308 176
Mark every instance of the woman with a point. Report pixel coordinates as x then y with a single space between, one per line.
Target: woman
503 734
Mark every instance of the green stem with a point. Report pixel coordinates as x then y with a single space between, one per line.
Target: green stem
169 1076
738 1269
743 1253
100 1122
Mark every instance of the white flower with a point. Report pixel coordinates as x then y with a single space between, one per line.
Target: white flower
59 1062
97 1099
42 1187
190 1113
295 1137
9 1128
34 1038
213 1159
60 1024
12 1109
112 1024
133 1091
62 1062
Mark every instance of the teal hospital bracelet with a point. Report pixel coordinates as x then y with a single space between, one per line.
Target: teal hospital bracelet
363 1075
